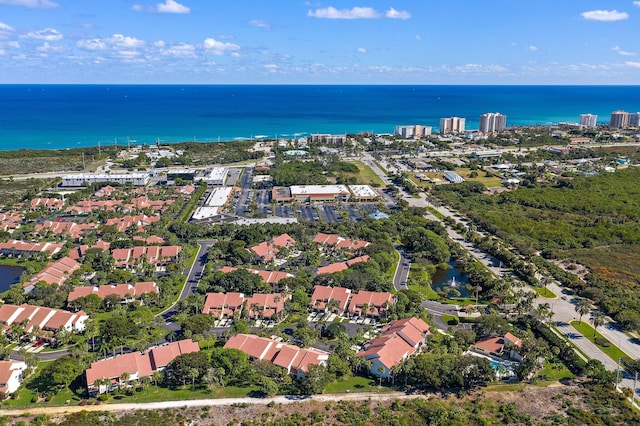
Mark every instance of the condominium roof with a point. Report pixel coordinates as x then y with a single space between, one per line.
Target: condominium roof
120 290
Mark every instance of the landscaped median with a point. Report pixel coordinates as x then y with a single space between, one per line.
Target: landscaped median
599 340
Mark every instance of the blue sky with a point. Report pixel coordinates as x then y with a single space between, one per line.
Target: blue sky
309 42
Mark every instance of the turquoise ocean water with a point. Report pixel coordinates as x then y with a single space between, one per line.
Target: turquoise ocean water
68 116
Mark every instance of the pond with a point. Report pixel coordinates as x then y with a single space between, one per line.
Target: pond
454 277
9 275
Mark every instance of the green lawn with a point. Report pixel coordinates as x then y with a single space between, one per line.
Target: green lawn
450 319
377 163
545 292
358 384
587 331
554 371
365 175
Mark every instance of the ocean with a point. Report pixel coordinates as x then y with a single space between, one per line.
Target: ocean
71 116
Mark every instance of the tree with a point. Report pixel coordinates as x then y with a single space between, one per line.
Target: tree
597 319
59 374
582 308
233 364
198 324
191 366
268 386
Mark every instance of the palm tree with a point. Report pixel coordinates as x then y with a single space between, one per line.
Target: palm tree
597 319
255 308
276 299
381 371
123 378
582 308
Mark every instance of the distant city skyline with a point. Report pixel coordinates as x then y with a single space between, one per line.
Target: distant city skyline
590 42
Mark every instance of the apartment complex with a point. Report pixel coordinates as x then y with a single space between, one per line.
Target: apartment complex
414 131
619 119
492 122
452 125
588 120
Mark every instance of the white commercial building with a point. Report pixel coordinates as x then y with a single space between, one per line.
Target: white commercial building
217 200
363 193
320 192
217 176
84 179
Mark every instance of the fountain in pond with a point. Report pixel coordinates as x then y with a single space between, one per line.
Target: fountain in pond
453 282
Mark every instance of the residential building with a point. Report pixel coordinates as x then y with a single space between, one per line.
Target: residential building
588 120
86 179
398 340
634 119
415 131
493 122
336 242
495 346
109 373
269 277
126 292
452 125
79 251
328 139
55 273
132 258
370 303
46 204
330 299
23 248
268 250
619 119
341 266
11 375
46 319
223 305
266 305
137 222
292 358
72 229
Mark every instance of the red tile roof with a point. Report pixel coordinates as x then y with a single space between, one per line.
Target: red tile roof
322 295
56 273
266 303
223 304
120 290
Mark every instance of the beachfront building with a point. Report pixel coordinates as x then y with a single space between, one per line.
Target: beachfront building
11 375
588 120
328 139
216 176
493 122
414 131
109 373
634 119
452 125
292 358
619 119
398 341
86 179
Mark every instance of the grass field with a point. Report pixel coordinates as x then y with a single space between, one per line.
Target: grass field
554 371
587 331
463 172
365 176
358 384
544 292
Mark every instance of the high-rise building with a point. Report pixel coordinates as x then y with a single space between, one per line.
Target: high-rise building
452 125
619 119
588 120
634 119
493 122
415 131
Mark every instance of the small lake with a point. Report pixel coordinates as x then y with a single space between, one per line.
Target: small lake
443 279
9 275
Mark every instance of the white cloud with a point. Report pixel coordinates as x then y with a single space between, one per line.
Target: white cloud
182 50
622 52
636 3
46 48
397 14
121 41
92 44
605 15
172 6
218 47
362 50
355 13
5 30
32 4
169 6
48 34
533 48
632 64
418 37
260 24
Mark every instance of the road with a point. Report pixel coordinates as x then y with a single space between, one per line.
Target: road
245 183
360 396
191 284
402 269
